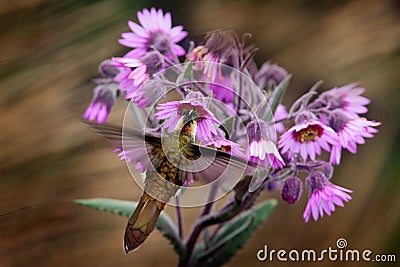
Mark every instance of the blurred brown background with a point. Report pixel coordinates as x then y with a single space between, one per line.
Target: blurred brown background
49 52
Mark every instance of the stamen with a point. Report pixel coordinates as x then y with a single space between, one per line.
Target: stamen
308 134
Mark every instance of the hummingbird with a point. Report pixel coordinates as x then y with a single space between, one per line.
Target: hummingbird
174 159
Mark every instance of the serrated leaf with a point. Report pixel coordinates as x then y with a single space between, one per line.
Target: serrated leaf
126 208
277 95
233 236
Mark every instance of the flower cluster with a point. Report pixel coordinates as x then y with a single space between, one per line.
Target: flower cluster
316 124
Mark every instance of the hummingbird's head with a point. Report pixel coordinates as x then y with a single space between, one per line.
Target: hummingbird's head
190 116
188 122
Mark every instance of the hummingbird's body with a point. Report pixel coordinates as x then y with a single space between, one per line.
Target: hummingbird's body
162 181
170 161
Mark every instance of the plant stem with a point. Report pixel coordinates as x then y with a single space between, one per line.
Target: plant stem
179 217
196 231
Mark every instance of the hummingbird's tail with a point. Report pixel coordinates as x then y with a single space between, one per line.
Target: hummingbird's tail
142 221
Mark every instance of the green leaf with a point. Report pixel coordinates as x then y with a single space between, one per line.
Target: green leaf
233 236
188 74
277 95
126 208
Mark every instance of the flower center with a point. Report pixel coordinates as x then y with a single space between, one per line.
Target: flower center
308 134
160 41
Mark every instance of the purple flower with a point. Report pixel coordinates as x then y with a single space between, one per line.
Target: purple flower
307 138
104 96
348 98
291 190
220 47
261 148
323 196
156 32
172 111
108 70
351 131
144 68
124 83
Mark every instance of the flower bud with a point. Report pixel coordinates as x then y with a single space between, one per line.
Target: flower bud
291 190
273 185
327 169
270 74
107 69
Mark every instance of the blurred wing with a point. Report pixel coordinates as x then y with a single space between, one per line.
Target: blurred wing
205 164
214 164
132 145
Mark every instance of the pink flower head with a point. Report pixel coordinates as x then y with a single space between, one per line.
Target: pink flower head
155 33
144 68
348 98
323 196
307 138
172 111
104 96
351 131
261 148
